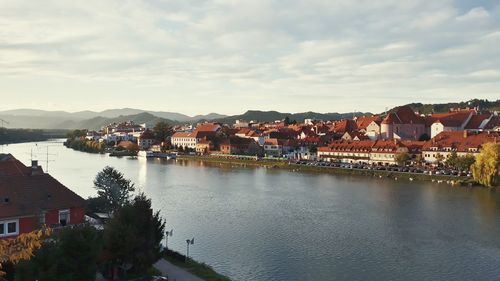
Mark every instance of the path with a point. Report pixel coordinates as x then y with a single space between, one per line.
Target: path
174 272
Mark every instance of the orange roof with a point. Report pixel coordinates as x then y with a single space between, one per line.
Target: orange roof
461 141
184 135
272 141
208 127
363 121
476 121
403 115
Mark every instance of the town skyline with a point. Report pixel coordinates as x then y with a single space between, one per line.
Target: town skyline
226 57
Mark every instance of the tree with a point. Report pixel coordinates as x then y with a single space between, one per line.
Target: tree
402 158
132 238
112 186
486 168
424 137
71 254
419 159
22 247
452 160
286 121
464 163
162 131
439 158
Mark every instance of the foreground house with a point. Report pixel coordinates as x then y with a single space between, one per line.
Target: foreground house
30 198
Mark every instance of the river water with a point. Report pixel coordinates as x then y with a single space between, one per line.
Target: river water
266 224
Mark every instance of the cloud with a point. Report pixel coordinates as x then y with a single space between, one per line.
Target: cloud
250 54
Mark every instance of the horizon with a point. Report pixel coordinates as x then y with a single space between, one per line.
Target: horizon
226 57
197 114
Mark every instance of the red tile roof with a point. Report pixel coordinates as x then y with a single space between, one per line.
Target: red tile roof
403 115
363 121
476 121
29 194
208 127
493 123
461 141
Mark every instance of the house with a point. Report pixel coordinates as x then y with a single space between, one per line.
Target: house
384 152
343 126
184 139
146 139
403 124
462 142
273 147
190 139
450 122
346 151
30 198
240 146
354 136
204 147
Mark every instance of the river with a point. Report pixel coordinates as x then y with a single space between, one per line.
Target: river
257 224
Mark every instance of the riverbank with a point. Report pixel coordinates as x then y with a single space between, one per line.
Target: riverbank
11 136
453 180
198 269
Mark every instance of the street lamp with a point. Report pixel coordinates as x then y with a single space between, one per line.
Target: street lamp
167 234
189 242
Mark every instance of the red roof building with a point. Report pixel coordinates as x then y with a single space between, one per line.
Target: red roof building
30 198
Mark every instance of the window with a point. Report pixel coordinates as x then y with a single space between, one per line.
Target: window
8 228
42 218
64 217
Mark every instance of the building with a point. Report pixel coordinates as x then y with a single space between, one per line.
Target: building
204 147
403 124
190 139
384 152
273 147
30 198
450 122
463 143
240 146
346 152
146 139
184 139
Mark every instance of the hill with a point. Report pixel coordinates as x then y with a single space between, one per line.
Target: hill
445 107
269 116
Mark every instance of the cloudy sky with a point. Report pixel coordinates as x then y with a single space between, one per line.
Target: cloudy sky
194 56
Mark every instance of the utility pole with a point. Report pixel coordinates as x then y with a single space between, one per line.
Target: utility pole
3 122
167 234
188 242
47 160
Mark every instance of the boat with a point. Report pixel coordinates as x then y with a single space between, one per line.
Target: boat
155 154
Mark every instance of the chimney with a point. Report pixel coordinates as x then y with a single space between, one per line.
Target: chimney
465 134
34 167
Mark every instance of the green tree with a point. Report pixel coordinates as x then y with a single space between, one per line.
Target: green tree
162 131
134 235
439 158
402 158
464 163
69 255
486 168
113 187
452 160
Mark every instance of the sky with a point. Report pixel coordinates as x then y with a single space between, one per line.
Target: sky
196 57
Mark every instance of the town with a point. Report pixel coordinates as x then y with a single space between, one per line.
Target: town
399 138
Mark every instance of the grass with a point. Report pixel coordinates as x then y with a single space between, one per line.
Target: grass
201 270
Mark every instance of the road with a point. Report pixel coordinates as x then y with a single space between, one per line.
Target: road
174 272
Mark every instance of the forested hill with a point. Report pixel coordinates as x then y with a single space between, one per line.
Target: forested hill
445 107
